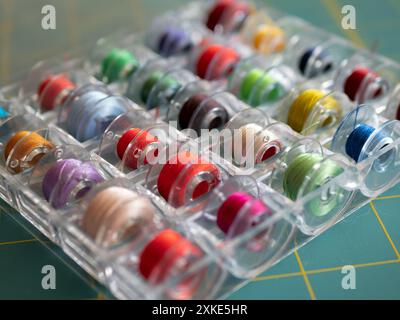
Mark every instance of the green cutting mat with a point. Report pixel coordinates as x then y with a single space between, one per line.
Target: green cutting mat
368 239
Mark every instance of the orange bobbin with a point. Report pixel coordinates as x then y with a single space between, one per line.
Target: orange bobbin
24 150
186 177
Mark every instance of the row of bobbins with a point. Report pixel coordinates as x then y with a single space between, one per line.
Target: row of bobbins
81 107
118 216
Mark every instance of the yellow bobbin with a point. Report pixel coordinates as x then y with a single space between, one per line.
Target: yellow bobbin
302 106
269 39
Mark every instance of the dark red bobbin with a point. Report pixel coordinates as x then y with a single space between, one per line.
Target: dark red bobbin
202 112
53 91
216 62
224 12
359 79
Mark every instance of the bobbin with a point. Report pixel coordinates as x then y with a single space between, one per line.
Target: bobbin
215 59
170 36
376 162
182 176
115 59
90 109
114 212
64 175
262 83
227 16
242 222
313 112
24 139
156 83
132 140
208 111
255 139
48 84
312 52
185 93
321 189
262 34
363 79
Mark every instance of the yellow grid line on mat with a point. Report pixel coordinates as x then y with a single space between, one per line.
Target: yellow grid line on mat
397 196
323 270
9 243
305 277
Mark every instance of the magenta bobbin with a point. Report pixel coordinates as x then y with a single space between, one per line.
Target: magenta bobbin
241 208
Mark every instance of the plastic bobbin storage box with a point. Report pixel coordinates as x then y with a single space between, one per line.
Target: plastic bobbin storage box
313 112
66 174
182 176
49 83
251 140
116 59
367 80
89 110
245 224
170 36
133 141
206 111
144 256
373 143
320 183
156 83
260 83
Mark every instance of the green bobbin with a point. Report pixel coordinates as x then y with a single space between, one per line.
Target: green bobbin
258 87
118 65
313 171
165 85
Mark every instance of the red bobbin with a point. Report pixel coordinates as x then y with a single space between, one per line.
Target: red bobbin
360 77
162 253
216 62
53 91
137 140
188 177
